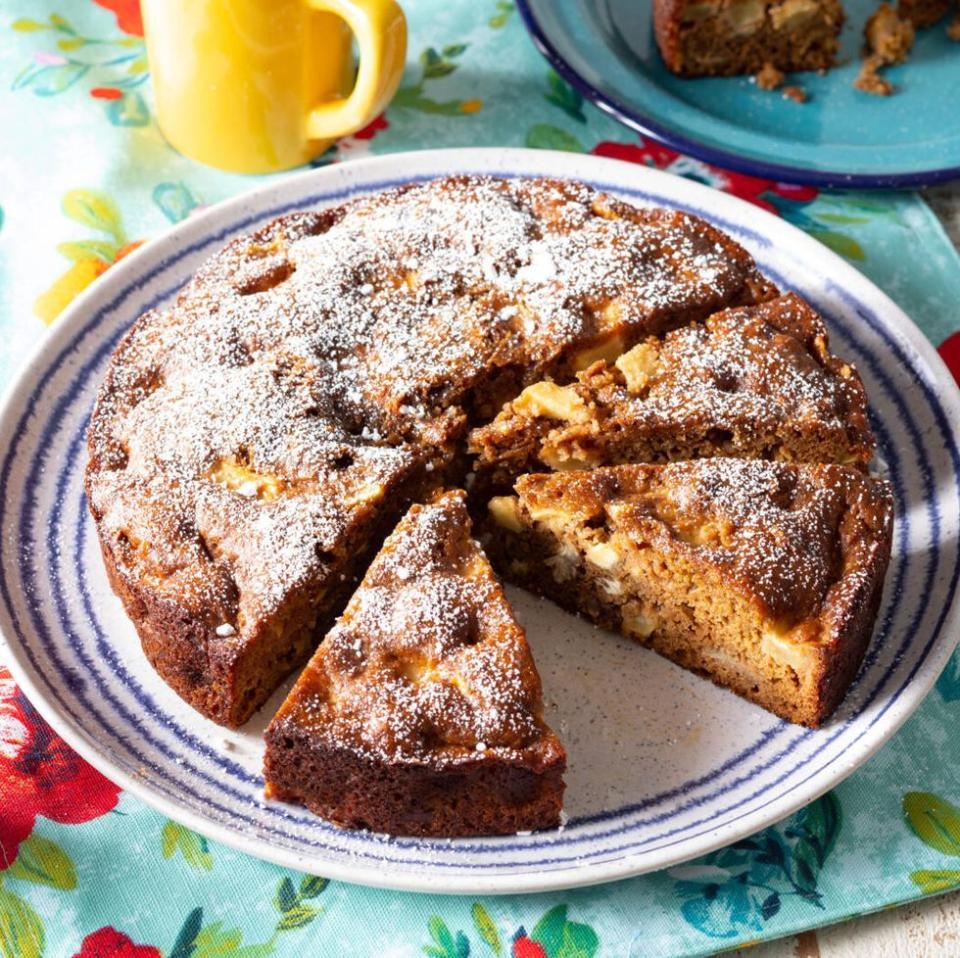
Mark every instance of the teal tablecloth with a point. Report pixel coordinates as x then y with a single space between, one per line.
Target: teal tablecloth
84 869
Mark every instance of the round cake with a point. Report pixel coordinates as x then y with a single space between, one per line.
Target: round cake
298 420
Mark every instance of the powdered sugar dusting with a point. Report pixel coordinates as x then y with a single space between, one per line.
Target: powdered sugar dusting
431 665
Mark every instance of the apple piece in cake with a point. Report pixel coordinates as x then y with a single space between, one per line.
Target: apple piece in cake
763 576
753 382
421 713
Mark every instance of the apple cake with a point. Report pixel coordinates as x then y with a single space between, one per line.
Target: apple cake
421 713
763 576
252 444
729 37
255 444
756 382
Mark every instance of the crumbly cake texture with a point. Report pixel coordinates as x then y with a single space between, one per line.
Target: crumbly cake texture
751 382
923 13
763 576
729 37
421 712
253 444
888 39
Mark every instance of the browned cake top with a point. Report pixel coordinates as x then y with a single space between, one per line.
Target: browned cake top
763 371
241 435
794 538
426 663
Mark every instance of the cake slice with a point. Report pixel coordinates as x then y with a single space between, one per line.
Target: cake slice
421 713
923 13
753 382
728 37
763 576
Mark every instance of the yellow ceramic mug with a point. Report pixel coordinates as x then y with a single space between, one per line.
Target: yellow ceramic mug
261 85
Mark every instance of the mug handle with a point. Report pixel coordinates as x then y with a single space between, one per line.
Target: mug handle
381 31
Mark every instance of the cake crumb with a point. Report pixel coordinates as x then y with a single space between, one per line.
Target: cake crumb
869 80
225 630
795 93
888 35
769 77
888 39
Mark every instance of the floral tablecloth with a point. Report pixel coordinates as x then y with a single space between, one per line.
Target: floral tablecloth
88 870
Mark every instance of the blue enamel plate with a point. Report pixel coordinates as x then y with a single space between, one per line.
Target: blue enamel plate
840 137
663 766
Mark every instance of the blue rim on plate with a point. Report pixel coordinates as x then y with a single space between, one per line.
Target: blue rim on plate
654 83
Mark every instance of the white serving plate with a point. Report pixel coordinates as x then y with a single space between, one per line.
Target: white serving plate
663 766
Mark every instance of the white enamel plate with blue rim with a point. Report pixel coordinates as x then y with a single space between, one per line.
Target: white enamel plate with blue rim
662 765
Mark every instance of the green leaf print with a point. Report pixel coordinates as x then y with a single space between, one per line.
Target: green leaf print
486 928
175 200
286 897
543 136
44 862
445 945
290 902
193 847
840 243
215 940
736 890
129 110
185 945
436 66
86 249
21 928
297 917
50 79
934 821
96 210
561 94
564 939
502 16
930 882
312 885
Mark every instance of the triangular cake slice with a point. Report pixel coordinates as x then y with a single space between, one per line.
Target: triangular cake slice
755 382
421 713
764 576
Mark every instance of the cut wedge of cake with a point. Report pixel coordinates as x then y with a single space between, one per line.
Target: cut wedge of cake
728 37
753 382
421 713
763 576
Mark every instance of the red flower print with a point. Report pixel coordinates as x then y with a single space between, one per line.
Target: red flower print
949 351
127 13
106 93
524 947
751 188
110 943
372 128
41 775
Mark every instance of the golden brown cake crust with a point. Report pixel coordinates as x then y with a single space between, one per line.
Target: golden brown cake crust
751 382
805 547
421 712
316 377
